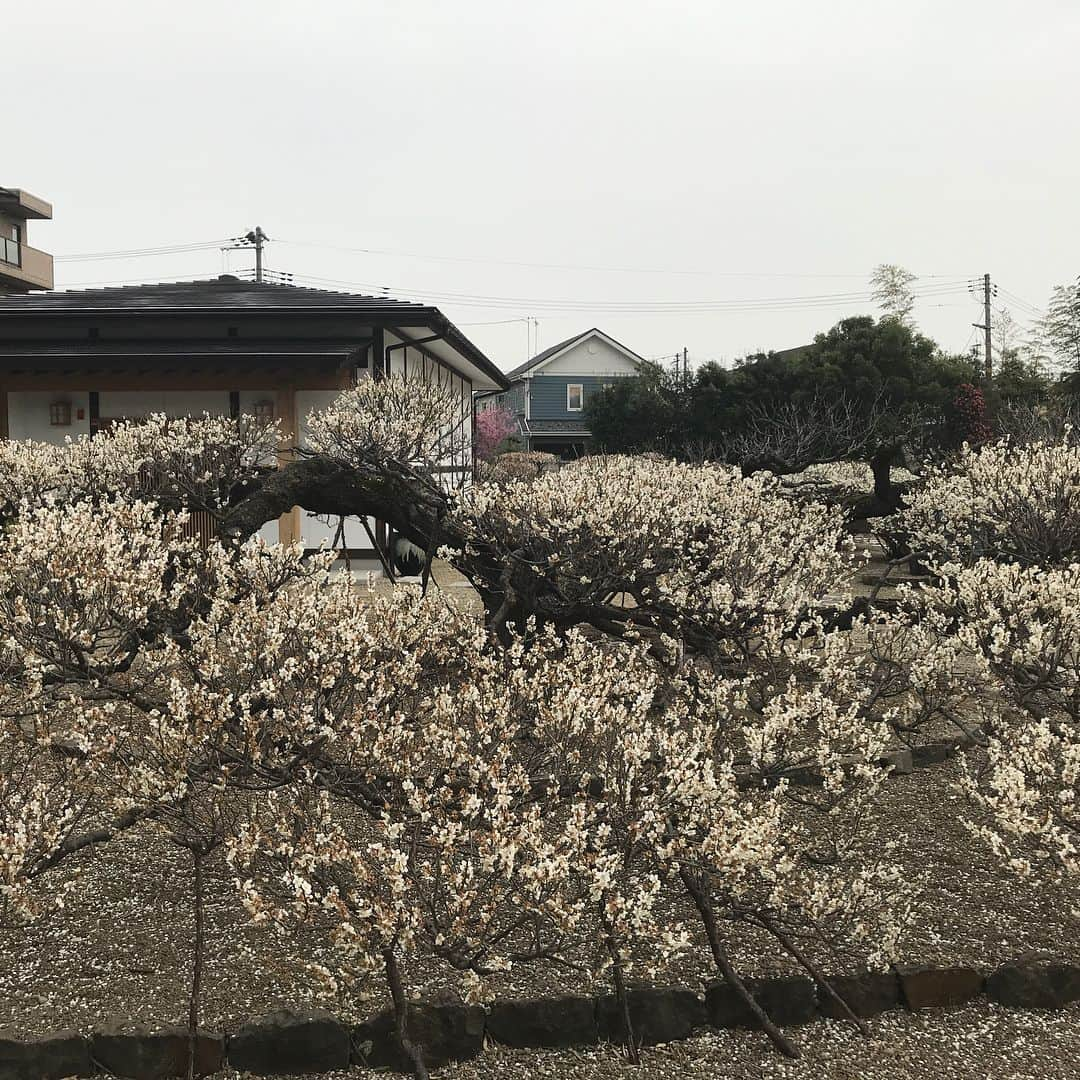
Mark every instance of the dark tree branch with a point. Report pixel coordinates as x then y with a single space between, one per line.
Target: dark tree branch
84 840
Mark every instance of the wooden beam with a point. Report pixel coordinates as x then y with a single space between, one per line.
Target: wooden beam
289 529
378 353
240 380
3 412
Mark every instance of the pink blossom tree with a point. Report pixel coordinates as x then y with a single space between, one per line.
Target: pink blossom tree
493 427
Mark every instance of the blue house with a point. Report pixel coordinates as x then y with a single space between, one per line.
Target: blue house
548 393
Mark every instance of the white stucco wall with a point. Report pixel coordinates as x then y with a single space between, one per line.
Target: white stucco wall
28 418
411 362
593 356
28 415
316 531
134 404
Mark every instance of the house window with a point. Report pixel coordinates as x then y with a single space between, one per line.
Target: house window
60 414
575 395
9 245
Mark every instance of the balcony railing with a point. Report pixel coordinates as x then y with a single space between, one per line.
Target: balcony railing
22 265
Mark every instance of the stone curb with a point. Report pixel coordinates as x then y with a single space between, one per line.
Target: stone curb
900 762
312 1041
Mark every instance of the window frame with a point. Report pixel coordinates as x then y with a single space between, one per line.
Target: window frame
580 388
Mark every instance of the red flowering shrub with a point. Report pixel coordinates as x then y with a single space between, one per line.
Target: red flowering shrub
969 409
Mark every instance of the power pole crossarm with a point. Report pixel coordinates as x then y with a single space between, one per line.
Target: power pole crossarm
257 238
988 290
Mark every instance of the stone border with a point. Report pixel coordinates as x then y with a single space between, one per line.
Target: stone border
900 762
314 1041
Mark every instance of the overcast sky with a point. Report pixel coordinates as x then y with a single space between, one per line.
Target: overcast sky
655 164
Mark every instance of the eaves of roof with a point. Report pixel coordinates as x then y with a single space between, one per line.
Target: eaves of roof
230 296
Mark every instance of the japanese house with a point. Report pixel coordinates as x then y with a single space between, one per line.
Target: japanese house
72 362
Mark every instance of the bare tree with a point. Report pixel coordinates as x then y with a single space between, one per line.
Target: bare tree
891 289
1055 338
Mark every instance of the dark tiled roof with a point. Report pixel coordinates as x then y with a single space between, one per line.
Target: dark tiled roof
226 293
540 357
229 295
558 427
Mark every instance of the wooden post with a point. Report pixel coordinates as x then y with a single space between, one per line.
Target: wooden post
379 370
285 411
3 413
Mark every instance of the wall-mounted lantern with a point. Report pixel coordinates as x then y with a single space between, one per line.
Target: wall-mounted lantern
60 414
263 410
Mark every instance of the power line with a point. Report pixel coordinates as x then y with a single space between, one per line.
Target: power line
497 322
170 249
682 306
138 253
486 260
1021 302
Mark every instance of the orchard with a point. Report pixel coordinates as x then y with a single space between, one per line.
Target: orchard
601 777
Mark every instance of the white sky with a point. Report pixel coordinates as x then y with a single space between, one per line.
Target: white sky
707 151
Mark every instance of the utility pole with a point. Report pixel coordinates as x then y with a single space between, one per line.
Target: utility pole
256 237
242 243
988 290
685 365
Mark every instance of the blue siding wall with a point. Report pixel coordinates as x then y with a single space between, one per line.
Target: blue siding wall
548 395
512 399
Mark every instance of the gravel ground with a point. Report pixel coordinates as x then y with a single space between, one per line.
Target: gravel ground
121 947
979 1042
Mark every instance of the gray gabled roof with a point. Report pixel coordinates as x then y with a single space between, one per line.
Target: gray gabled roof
540 357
